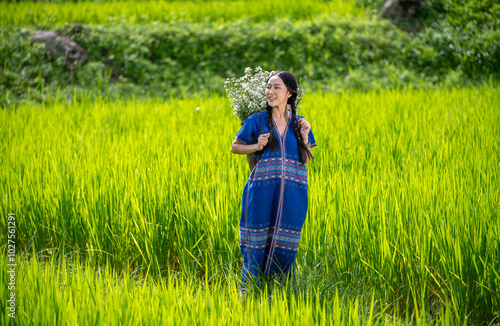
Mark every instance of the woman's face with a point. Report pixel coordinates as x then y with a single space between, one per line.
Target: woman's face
276 92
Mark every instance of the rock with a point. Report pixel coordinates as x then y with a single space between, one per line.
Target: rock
403 10
78 29
58 45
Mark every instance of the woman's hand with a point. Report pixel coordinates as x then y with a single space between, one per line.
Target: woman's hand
262 141
304 128
240 148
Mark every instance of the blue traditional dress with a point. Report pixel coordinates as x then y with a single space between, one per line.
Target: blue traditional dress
274 205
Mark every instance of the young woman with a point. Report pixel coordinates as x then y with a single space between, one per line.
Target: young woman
275 201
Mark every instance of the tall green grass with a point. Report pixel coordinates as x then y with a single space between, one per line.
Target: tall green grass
75 293
139 12
404 195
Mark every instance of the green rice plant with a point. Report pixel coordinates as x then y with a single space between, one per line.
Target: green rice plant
72 292
409 196
45 14
404 194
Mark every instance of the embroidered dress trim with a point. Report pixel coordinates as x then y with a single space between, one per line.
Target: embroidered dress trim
256 238
276 168
287 239
260 238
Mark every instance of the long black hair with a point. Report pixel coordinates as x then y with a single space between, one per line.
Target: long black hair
291 85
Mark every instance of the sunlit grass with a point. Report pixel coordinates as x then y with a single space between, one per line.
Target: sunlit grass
71 292
404 197
137 12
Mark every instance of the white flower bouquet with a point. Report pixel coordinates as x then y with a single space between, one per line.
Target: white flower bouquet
247 93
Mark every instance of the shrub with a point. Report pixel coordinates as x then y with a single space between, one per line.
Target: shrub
164 59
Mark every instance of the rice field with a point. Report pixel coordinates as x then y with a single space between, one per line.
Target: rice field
127 212
45 14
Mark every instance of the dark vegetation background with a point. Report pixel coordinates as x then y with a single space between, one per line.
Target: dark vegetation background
452 43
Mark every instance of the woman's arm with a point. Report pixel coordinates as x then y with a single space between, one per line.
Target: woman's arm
238 147
306 141
305 127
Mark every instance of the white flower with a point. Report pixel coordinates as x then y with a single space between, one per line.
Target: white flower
247 93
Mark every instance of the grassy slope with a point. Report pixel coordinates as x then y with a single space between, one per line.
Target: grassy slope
172 48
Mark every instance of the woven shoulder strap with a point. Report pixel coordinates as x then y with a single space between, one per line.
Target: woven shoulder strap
258 154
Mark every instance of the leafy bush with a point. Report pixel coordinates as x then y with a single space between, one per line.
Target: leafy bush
164 59
471 14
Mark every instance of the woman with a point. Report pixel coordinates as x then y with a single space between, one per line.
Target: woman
274 203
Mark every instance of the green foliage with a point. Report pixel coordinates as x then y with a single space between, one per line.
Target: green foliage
471 14
24 68
170 59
